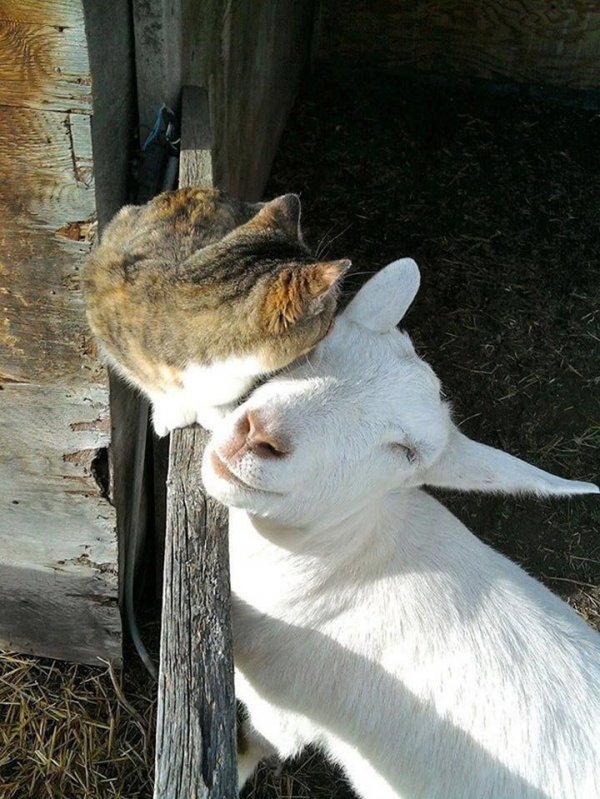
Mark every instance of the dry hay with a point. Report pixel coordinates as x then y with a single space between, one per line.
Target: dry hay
68 732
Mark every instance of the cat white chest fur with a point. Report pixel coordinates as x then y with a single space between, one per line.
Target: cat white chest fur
206 394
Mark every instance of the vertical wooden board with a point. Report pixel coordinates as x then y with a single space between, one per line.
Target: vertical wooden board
47 212
197 141
251 56
114 102
58 547
195 735
195 743
530 41
58 577
114 121
158 36
43 56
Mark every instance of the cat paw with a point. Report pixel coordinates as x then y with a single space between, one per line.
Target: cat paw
210 415
167 417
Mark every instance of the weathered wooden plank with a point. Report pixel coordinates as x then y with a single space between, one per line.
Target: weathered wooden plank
58 13
196 167
69 612
251 56
57 541
43 57
47 208
58 548
158 37
531 41
110 53
196 707
195 744
114 122
46 164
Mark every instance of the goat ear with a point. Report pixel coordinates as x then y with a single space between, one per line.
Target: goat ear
469 466
385 298
298 292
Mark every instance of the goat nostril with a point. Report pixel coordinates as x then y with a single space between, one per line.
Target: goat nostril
262 442
266 449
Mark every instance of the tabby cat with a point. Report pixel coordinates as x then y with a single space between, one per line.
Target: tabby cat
195 295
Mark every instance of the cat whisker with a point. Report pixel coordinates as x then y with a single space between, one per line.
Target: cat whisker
325 245
322 242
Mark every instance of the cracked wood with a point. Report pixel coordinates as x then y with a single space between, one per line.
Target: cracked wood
195 743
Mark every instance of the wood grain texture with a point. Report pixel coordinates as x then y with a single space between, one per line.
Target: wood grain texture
113 127
58 547
196 706
44 57
195 743
113 95
196 167
47 203
52 13
58 573
158 37
251 56
529 41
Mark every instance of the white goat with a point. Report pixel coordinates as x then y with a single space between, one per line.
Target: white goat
367 619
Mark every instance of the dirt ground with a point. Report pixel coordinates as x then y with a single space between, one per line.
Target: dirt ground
498 200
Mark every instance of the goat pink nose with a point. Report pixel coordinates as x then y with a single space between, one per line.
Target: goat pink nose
261 441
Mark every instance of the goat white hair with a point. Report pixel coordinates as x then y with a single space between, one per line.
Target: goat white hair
367 619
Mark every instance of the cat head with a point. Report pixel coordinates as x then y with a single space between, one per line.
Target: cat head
195 277
285 297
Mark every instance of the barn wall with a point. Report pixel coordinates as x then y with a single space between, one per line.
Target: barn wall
58 578
529 41
249 55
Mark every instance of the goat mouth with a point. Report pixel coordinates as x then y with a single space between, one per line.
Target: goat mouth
222 470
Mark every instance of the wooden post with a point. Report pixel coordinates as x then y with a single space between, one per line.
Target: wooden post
195 754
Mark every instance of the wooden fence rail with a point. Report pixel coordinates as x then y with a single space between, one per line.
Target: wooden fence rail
195 754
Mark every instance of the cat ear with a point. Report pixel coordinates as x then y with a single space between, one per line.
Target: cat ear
298 292
282 213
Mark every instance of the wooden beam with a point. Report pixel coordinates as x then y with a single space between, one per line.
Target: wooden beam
58 553
44 56
195 742
530 41
63 158
251 57
158 35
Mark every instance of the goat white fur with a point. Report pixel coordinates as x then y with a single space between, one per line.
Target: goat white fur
367 619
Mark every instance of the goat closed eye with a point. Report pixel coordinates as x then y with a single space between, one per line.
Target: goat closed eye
409 453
